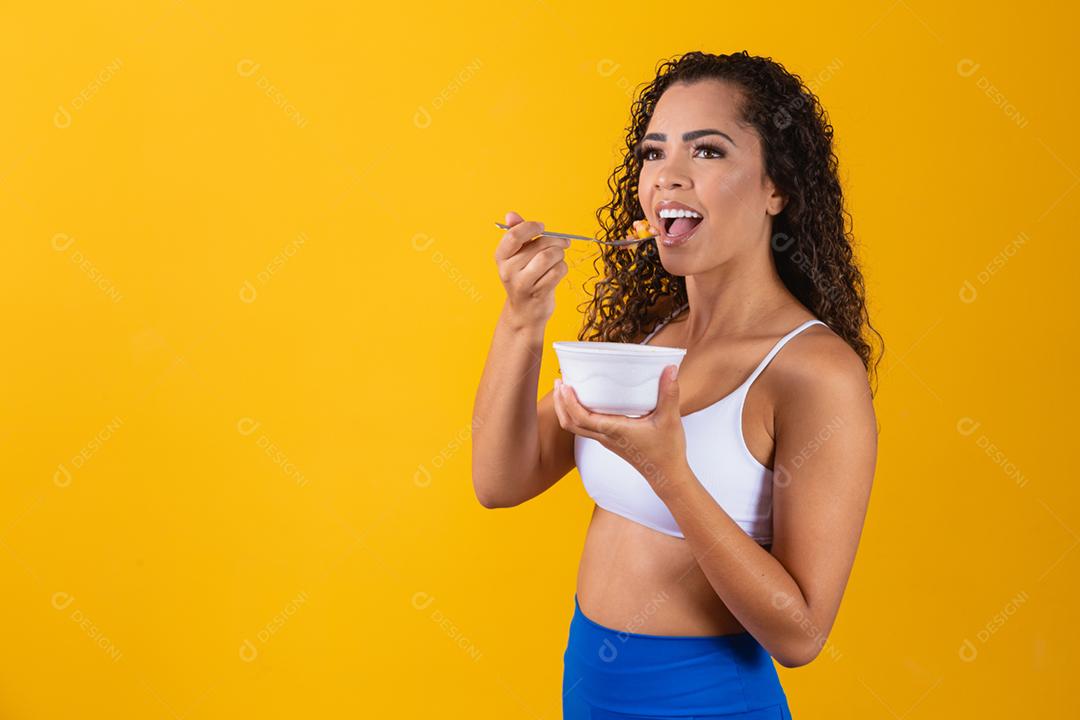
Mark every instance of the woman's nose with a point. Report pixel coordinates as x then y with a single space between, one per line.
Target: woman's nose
671 176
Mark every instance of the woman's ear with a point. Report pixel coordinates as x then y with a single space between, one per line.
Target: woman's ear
776 201
776 205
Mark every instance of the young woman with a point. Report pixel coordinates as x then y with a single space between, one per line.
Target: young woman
727 520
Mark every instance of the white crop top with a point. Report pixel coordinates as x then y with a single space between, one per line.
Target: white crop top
717 454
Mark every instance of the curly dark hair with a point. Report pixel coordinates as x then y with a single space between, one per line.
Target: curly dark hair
811 245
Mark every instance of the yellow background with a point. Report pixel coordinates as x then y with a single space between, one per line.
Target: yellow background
248 291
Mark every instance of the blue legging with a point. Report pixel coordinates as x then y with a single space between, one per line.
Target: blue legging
613 675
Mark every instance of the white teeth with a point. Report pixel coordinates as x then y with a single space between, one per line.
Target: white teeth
677 213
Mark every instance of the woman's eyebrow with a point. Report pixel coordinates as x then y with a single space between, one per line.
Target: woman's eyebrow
692 135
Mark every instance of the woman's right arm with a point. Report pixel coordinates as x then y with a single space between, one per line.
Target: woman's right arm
519 449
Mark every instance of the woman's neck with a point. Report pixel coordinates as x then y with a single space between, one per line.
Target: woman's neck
730 301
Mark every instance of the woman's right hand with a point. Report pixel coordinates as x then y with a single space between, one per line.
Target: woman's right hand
529 270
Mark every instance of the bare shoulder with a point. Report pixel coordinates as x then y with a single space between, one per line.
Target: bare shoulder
820 391
818 363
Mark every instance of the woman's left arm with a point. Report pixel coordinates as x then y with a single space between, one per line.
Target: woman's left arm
826 450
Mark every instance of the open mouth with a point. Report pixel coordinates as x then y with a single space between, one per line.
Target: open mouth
679 226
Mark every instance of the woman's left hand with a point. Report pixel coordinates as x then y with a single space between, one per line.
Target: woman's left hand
654 444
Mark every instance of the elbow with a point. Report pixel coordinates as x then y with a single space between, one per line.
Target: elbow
489 502
798 655
495 503
482 488
488 499
791 661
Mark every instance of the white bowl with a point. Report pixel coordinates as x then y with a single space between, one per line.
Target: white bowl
615 378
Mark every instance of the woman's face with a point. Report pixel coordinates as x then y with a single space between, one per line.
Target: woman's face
695 153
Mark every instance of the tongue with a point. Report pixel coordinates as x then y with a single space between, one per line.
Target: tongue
682 225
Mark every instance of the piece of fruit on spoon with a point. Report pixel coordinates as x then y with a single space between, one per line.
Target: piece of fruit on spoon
642 229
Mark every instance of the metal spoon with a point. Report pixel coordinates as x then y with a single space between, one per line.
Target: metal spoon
568 236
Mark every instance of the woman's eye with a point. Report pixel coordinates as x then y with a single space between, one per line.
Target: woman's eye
712 149
647 153
709 152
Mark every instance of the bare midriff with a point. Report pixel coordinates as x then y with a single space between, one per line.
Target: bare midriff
635 579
